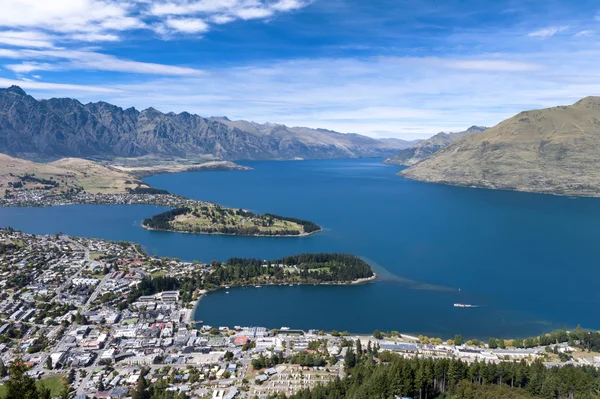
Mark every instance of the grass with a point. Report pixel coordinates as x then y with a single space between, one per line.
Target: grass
229 218
96 255
54 383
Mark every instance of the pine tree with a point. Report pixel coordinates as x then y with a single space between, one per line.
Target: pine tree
350 359
20 385
141 390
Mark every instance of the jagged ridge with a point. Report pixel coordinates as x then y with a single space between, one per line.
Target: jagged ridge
64 127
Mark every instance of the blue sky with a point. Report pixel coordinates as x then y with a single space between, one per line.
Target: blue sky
384 68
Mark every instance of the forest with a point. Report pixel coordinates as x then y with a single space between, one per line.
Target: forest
428 378
162 221
305 268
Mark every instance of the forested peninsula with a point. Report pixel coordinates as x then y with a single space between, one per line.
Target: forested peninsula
215 219
323 268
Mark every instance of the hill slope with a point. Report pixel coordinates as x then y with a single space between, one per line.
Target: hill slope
554 150
426 148
62 176
63 127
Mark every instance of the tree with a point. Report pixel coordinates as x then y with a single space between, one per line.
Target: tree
65 391
141 390
214 331
493 343
458 340
22 386
350 359
49 363
3 370
377 334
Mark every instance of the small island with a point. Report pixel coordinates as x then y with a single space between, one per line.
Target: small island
210 218
321 268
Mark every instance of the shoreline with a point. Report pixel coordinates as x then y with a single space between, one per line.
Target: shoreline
203 293
192 312
236 235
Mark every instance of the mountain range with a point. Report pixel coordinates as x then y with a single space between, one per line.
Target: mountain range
64 127
554 150
426 148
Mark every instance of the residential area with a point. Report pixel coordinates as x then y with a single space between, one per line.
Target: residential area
102 315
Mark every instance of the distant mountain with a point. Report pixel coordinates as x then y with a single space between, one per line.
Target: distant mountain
426 148
64 127
554 150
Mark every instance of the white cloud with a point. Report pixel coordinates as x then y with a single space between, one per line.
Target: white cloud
55 87
95 37
103 20
222 19
408 97
492 65
26 39
548 32
27 67
585 33
68 16
89 60
288 5
253 13
187 25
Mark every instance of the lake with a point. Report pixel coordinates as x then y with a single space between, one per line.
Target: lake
528 261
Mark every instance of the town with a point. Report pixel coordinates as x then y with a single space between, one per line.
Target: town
96 316
38 197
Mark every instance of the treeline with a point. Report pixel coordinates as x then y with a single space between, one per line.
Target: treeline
306 268
428 378
162 221
578 337
153 285
146 190
244 231
303 359
309 227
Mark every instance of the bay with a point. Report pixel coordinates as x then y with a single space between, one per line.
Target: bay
529 261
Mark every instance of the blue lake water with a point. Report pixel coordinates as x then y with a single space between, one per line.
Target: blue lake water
530 261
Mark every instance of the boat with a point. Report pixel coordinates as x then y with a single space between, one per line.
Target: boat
227 292
257 286
463 305
226 287
291 285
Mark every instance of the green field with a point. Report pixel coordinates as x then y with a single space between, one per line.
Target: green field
54 383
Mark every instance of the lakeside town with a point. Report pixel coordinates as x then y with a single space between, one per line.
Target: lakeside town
42 198
98 316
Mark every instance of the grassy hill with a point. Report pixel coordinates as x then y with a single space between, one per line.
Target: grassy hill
215 219
64 175
554 150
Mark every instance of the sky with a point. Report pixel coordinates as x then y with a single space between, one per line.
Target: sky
384 68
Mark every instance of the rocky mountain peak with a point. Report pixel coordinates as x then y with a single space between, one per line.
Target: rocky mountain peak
16 90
